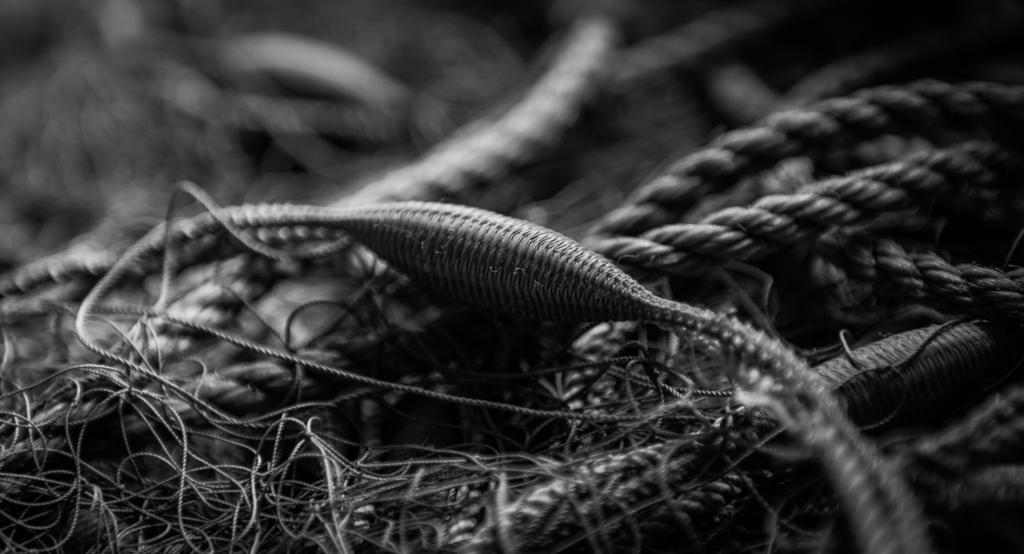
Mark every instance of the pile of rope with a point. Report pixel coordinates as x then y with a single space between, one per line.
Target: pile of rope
758 286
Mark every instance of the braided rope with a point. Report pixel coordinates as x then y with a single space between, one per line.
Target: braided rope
923 107
783 221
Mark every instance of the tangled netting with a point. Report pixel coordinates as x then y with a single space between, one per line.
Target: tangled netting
572 276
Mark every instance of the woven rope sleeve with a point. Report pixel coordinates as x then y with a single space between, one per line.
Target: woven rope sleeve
921 374
783 221
924 107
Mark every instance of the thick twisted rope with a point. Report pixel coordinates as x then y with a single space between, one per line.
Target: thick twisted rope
923 107
927 277
784 221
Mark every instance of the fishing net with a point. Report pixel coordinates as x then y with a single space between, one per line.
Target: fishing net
190 364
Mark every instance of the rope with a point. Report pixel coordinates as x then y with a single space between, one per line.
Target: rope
927 277
922 108
775 222
933 366
920 375
515 267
